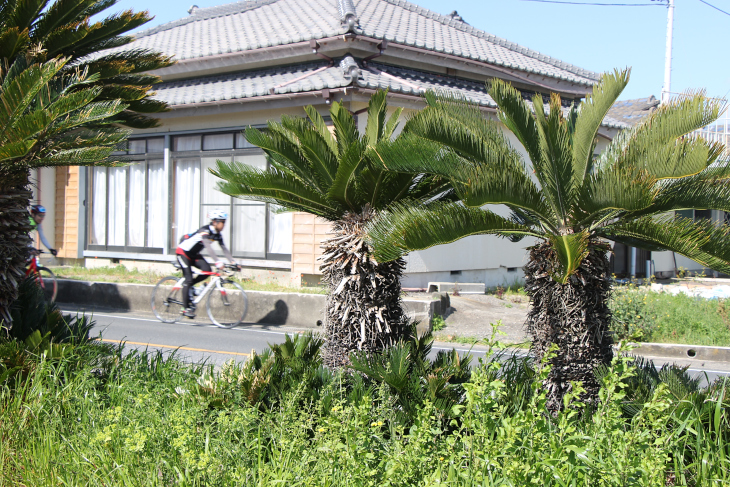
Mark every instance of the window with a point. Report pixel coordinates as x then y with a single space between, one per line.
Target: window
127 207
694 214
128 204
136 208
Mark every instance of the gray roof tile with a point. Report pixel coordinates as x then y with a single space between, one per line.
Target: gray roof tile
254 24
633 111
319 75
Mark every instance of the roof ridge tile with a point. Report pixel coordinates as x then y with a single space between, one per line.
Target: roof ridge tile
208 13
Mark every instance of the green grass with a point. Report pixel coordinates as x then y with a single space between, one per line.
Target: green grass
104 418
133 276
666 318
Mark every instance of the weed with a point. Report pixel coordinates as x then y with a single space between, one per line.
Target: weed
438 323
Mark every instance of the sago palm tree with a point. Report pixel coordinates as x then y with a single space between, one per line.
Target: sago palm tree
567 198
331 175
42 123
38 32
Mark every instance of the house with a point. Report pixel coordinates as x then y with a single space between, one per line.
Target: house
248 62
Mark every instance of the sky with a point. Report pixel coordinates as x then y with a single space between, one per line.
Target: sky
598 38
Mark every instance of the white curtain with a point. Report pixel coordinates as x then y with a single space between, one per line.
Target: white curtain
211 195
249 228
156 204
187 197
117 204
187 143
98 207
280 231
137 203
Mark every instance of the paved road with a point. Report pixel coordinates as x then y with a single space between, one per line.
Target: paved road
199 340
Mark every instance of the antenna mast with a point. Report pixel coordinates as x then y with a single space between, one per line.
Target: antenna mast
666 90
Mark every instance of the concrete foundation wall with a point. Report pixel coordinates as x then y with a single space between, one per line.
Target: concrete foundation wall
271 308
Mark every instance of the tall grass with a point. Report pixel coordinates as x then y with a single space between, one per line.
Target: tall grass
101 417
666 318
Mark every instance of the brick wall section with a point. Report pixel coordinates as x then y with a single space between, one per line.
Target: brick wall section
67 211
308 233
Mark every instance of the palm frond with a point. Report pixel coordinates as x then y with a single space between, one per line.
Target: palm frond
376 118
18 94
15 150
708 190
700 241
283 150
315 149
570 249
407 227
248 182
658 144
321 127
351 160
346 132
613 188
517 116
555 169
392 124
590 116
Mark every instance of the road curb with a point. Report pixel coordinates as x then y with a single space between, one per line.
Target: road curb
273 308
682 351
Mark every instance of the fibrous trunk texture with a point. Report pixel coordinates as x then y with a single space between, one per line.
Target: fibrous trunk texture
363 310
574 316
14 239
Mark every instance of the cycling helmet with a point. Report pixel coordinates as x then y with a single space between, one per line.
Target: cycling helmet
37 209
218 215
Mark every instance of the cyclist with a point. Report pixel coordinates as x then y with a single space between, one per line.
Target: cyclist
37 214
189 255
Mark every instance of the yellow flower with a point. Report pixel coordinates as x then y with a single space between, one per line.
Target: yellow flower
321 430
373 424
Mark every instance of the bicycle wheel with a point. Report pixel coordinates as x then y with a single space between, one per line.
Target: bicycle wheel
47 281
167 302
227 306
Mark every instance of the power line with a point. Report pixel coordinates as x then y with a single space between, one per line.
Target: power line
602 4
710 5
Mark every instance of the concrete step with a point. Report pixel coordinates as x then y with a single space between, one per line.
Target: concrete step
462 287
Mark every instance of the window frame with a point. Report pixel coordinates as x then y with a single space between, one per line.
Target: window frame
240 148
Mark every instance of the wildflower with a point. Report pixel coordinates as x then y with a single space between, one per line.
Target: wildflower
373 424
321 430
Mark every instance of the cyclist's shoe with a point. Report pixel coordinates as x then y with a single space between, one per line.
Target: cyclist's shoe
189 313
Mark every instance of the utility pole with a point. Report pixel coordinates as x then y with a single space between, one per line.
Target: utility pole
666 90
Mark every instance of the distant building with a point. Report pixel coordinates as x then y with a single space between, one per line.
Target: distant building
632 112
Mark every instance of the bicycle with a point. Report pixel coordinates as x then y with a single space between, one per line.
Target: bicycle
43 276
227 302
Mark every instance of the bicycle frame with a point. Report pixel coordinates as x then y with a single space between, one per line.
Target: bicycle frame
32 267
216 281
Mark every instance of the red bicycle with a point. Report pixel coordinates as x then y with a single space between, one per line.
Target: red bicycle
43 276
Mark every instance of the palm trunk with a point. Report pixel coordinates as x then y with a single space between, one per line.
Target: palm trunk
573 316
363 310
14 237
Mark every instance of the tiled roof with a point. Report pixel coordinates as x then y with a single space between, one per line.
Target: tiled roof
632 112
318 76
256 24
